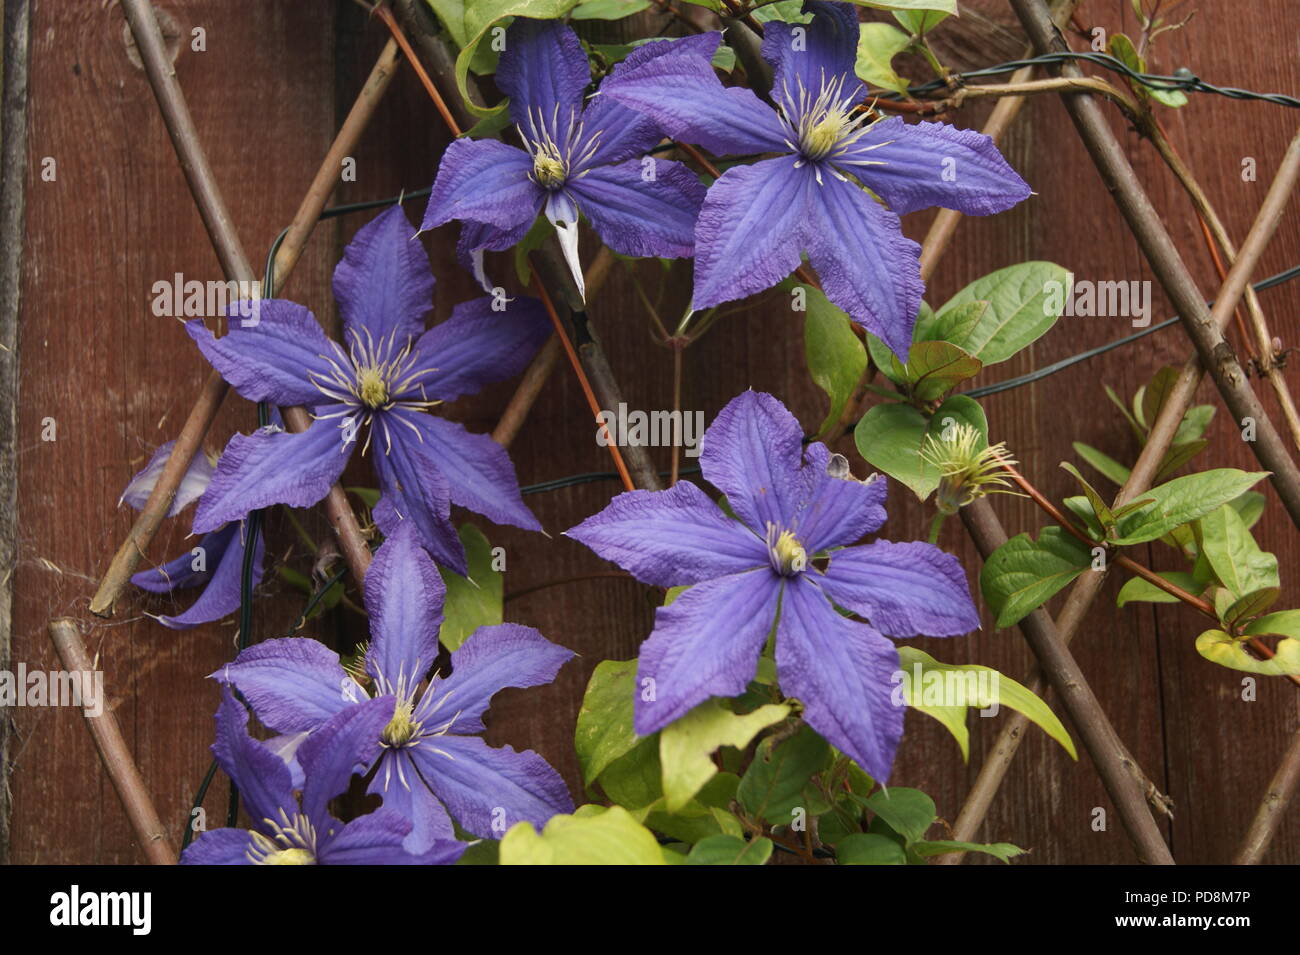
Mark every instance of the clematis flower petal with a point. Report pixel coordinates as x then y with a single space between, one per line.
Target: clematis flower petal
179 573
414 489
822 53
484 180
377 839
562 212
752 453
493 658
219 847
751 229
840 510
669 538
843 672
193 483
618 133
294 684
478 346
478 471
476 237
398 783
904 589
543 69
636 215
263 778
384 284
705 643
274 359
673 82
273 467
404 596
487 789
222 594
335 750
935 164
866 264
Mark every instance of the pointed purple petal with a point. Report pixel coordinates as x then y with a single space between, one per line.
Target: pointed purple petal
414 489
619 133
752 453
935 164
193 483
376 839
905 589
475 237
669 538
645 208
478 471
384 284
403 791
273 359
705 643
484 180
866 264
839 510
543 69
179 573
488 789
479 345
219 847
404 595
294 684
823 52
493 658
842 672
273 467
263 778
329 756
750 230
222 594
673 82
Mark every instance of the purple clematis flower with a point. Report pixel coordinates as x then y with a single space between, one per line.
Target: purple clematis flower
758 219
287 831
216 564
428 756
756 576
576 159
375 392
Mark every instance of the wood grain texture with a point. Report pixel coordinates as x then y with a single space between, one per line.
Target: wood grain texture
267 96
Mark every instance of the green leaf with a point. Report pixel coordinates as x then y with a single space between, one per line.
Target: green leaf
869 848
1177 456
604 732
773 785
890 438
1111 469
836 358
947 687
787 11
1251 605
1283 623
1141 590
1022 307
607 836
1157 392
730 850
1100 509
1184 500
1226 650
1233 554
947 6
934 368
1023 574
1004 851
475 601
635 779
878 44
1196 421
1250 506
608 9
920 22
953 325
686 745
1121 47
909 812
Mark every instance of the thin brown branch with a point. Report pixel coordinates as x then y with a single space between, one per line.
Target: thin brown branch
1272 808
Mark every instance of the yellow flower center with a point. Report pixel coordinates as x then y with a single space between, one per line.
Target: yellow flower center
371 388
401 728
821 138
549 170
788 555
290 857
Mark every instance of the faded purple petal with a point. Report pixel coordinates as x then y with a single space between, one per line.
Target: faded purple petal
935 164
705 643
478 471
404 595
825 52
673 82
219 847
294 684
415 489
179 572
263 778
543 70
839 510
484 180
493 658
273 467
399 784
752 453
488 789
193 483
384 284
475 237
222 594
866 264
348 740
639 216
904 589
842 672
478 346
273 359
669 538
751 229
